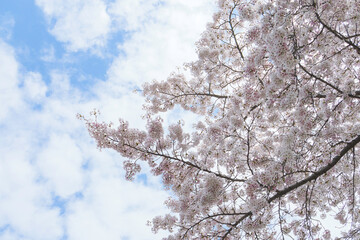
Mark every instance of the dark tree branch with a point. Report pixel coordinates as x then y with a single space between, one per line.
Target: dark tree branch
320 79
337 34
312 177
318 173
194 94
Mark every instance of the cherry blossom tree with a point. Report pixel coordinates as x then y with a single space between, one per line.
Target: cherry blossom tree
275 154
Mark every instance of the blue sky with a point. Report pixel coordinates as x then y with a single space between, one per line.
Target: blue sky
63 57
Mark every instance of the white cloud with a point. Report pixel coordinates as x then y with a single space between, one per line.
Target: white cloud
130 15
80 24
60 163
34 88
10 96
85 25
60 83
24 203
98 214
43 150
163 43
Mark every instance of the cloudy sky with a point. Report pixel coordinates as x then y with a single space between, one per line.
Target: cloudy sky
63 57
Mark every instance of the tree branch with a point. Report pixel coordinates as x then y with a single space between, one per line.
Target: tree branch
318 173
185 162
337 34
312 177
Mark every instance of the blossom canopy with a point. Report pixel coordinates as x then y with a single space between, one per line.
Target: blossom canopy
276 152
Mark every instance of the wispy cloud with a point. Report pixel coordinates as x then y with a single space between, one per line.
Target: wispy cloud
48 54
7 23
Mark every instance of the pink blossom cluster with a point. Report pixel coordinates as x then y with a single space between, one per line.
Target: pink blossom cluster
277 83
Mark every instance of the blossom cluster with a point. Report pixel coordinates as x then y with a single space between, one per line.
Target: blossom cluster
277 83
